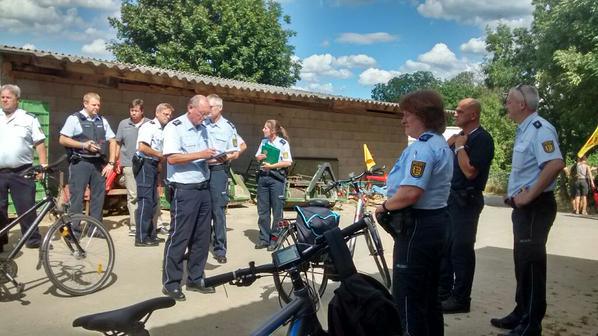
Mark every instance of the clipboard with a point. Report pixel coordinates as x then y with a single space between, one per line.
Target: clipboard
272 153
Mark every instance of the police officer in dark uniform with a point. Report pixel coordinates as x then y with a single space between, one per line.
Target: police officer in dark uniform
226 141
474 151
537 161
415 213
146 167
20 132
187 151
271 183
91 146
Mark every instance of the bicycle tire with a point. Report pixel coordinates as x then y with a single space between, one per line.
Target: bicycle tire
374 243
314 273
69 270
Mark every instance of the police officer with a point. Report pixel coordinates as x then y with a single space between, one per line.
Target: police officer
126 138
537 161
418 189
91 147
226 141
20 132
146 167
474 151
186 151
271 183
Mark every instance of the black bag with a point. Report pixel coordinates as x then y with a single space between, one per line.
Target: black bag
313 221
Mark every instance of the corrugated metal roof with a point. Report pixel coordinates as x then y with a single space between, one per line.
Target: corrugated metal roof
189 76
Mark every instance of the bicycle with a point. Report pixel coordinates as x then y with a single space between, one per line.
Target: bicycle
77 252
300 314
315 272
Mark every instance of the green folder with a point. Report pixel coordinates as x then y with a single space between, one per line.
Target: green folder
272 153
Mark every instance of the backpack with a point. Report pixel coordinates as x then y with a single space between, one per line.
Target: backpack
313 221
361 304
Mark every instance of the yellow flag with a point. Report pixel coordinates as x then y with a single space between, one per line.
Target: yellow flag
592 141
369 160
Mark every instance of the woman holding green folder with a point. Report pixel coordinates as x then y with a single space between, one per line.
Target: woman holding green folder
274 154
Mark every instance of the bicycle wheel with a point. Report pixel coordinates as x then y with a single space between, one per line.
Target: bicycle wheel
78 259
374 243
313 272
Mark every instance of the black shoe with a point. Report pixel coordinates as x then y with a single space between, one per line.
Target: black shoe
201 289
157 240
261 245
146 243
453 306
176 294
521 330
33 245
508 322
221 259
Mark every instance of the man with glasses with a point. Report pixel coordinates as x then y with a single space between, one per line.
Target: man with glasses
227 142
537 161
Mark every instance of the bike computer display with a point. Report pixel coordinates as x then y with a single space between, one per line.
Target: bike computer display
285 256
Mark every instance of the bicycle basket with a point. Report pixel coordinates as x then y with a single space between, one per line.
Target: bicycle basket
313 221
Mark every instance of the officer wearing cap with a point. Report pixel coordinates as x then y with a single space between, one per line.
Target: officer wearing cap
537 161
474 150
91 148
187 151
20 132
226 141
271 183
146 167
418 189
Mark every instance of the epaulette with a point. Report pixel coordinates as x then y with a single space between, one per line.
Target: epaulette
31 114
283 141
177 122
425 137
231 124
537 124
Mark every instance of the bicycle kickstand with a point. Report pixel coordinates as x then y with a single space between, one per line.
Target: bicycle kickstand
19 286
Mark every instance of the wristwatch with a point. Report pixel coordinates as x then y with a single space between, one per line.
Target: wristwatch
111 163
458 149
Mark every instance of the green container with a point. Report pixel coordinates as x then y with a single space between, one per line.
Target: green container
42 112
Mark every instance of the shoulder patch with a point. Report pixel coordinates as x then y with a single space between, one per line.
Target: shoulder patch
417 168
548 146
231 124
425 137
176 122
537 124
283 141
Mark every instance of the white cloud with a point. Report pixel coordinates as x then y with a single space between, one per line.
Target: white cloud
108 5
353 61
325 44
475 45
355 38
326 65
97 48
441 61
373 76
318 87
28 46
515 13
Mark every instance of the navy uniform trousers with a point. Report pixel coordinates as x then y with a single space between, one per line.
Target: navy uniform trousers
270 197
22 191
219 195
83 173
531 225
416 259
147 200
458 263
190 213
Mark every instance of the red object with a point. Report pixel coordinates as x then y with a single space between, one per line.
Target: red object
376 178
112 176
596 198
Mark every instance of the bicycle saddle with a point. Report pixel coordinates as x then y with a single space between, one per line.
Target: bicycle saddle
316 202
123 319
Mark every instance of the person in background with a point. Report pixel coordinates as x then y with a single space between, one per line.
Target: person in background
583 184
20 133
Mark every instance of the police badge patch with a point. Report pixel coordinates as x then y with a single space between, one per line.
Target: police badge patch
548 146
417 168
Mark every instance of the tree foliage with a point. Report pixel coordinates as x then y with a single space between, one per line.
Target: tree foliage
403 84
237 39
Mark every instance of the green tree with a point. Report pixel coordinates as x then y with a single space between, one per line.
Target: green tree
461 86
236 39
403 84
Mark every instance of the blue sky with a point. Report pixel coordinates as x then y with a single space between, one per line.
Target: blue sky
345 46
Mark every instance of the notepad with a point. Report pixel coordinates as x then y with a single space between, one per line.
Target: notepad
272 153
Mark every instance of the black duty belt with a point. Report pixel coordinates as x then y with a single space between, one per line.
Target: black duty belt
190 186
15 170
218 167
428 212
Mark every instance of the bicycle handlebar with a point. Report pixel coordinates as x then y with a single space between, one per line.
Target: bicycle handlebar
306 255
334 184
32 171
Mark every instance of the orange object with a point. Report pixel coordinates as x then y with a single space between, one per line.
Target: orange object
112 176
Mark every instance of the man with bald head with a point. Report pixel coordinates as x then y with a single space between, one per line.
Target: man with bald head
474 151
